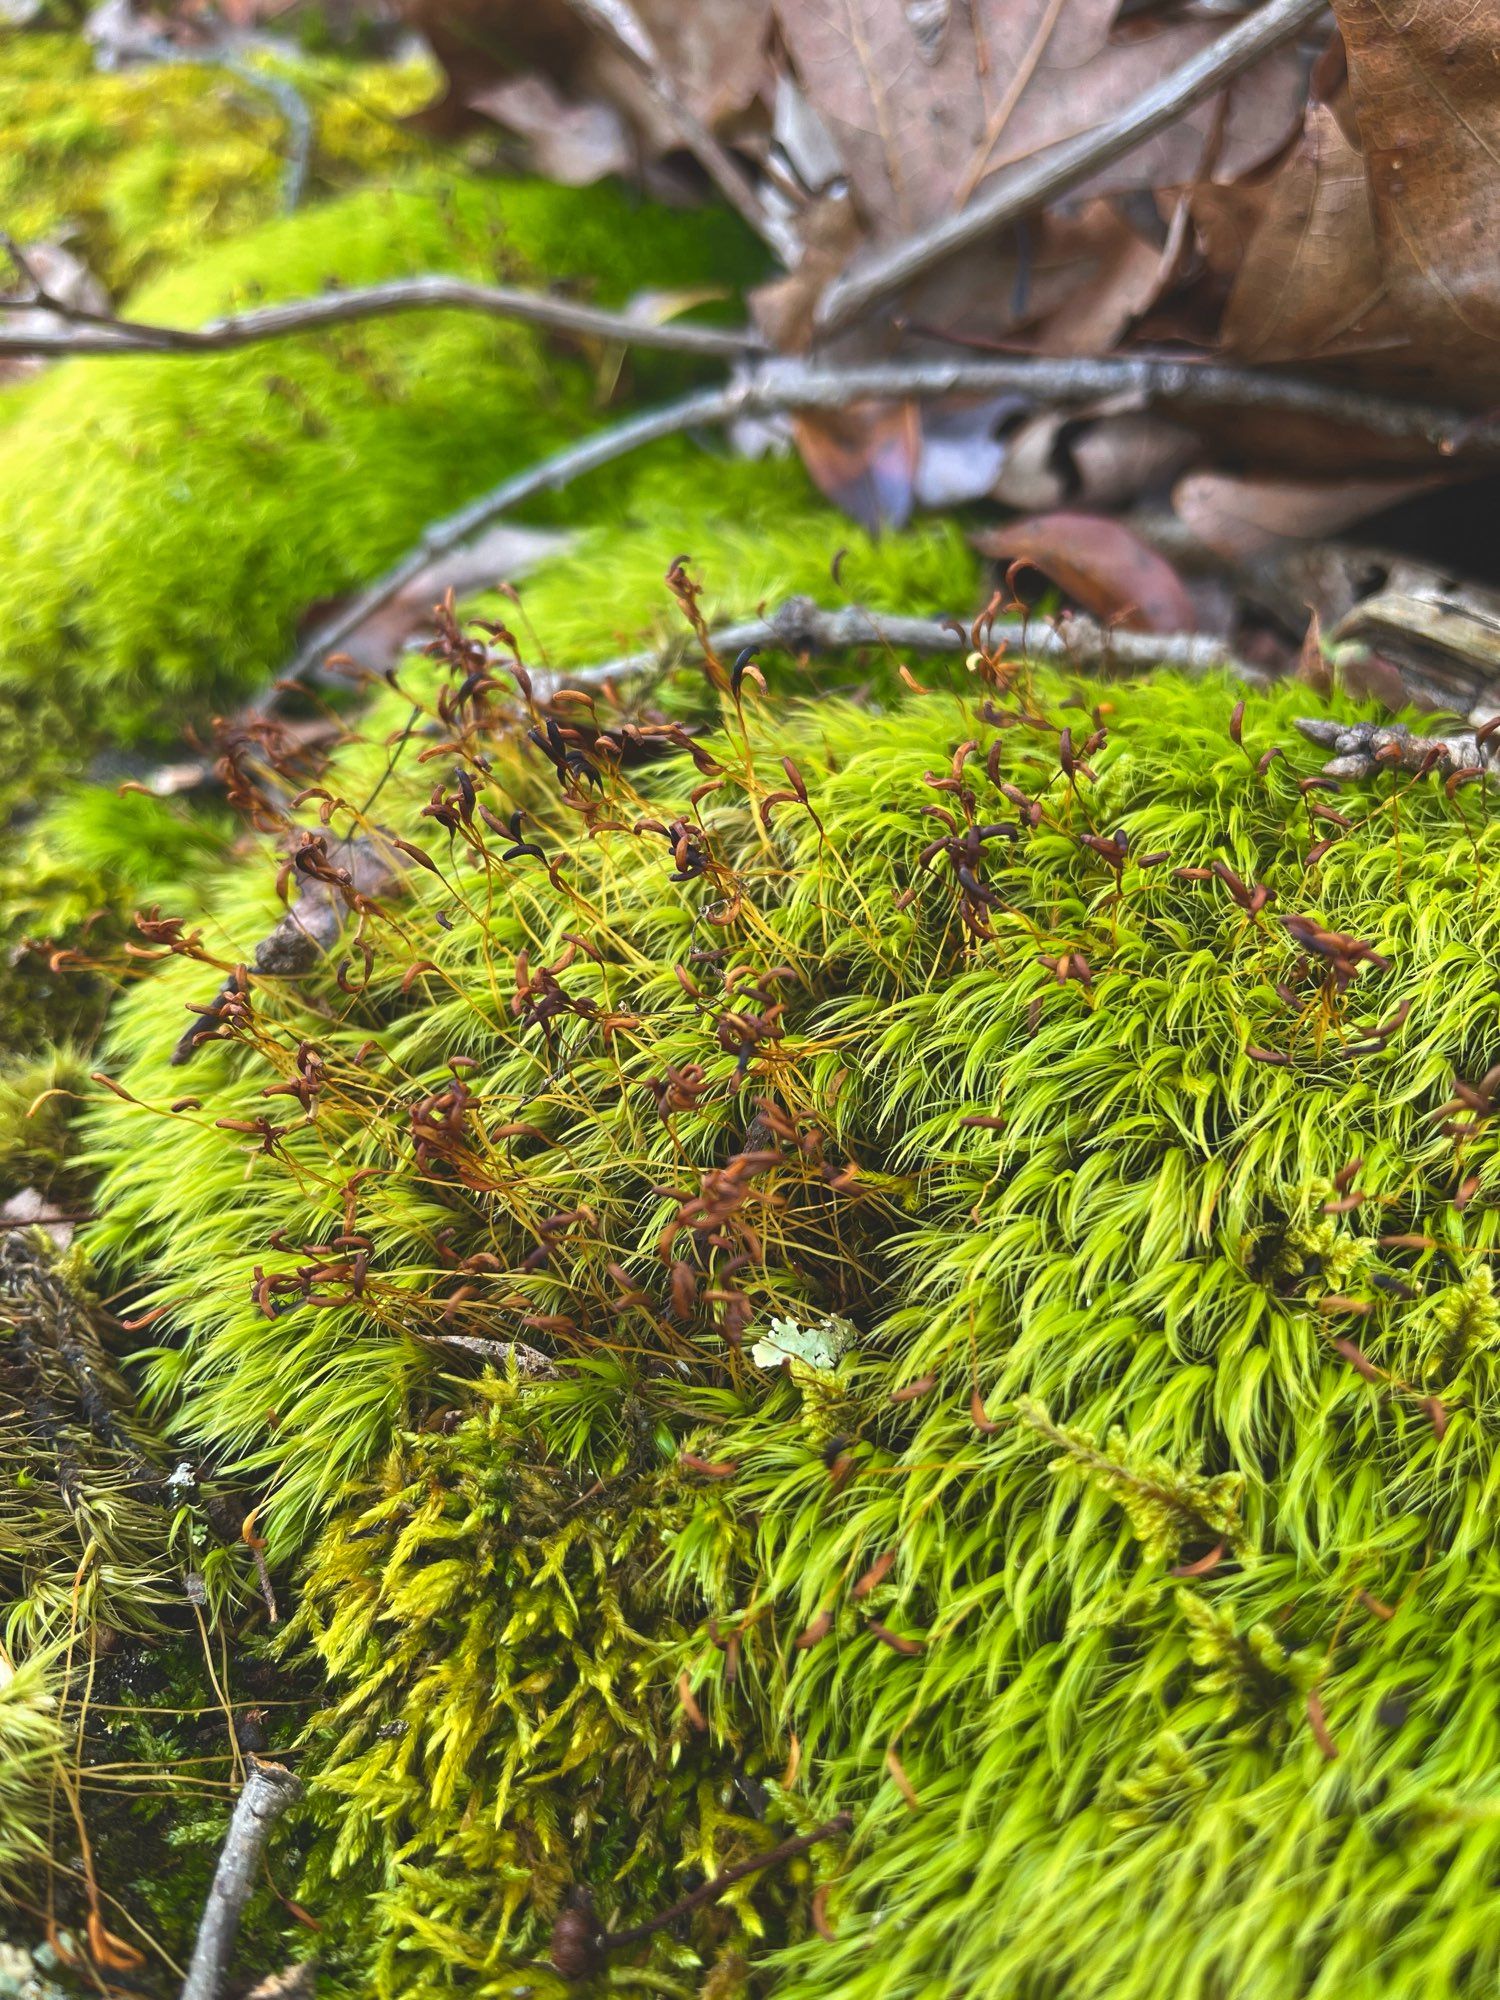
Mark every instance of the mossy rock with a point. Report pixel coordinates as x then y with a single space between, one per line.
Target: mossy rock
1115 1547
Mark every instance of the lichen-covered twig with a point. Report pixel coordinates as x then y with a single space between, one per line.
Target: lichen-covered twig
1035 183
268 1790
1362 748
800 626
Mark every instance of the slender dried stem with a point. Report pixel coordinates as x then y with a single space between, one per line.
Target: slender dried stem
1035 183
89 333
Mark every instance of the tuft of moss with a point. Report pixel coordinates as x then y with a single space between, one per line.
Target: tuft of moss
142 168
1115 1544
170 522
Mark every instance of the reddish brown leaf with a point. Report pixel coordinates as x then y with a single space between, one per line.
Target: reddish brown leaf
1101 564
864 459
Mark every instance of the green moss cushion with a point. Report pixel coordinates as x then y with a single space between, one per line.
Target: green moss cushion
168 523
1115 1543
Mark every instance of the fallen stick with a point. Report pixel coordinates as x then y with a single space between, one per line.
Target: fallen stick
1035 183
94 333
796 385
268 1791
799 625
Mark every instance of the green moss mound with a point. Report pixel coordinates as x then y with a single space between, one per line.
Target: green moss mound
142 168
169 523
1114 1541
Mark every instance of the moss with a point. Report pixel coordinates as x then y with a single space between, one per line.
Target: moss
1145 1629
37 1095
170 522
143 168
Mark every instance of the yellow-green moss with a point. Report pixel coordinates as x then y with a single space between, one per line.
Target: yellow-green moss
145 167
1146 1630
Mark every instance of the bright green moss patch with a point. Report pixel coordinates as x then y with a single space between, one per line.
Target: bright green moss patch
170 522
144 167
1120 1559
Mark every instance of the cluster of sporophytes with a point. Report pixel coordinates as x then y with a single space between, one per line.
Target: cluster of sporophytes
919 1259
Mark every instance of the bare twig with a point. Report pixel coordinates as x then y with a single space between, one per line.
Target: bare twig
90 333
268 1791
794 385
623 28
579 1949
800 626
709 1892
1362 748
531 1364
1034 183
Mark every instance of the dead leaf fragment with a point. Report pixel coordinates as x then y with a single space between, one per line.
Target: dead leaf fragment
1101 564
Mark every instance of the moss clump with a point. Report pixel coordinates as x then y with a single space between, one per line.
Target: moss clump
142 168
170 522
1126 1579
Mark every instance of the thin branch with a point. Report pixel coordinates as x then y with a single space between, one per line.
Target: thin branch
794 385
800 626
709 1892
1362 748
1033 184
619 23
85 333
268 1791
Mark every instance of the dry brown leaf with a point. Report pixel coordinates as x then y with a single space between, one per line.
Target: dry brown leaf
864 459
1101 564
1310 278
1119 279
919 120
1426 88
1246 518
573 144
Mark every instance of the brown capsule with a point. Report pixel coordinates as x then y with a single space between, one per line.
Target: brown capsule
876 1574
817 1630
907 1648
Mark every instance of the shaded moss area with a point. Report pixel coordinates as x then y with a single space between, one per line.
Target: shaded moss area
143 168
1112 1544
